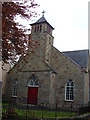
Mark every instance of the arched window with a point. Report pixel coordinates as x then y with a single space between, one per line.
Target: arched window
35 29
40 28
69 91
14 90
48 29
33 81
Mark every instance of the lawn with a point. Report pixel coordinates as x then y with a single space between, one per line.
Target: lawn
40 114
23 113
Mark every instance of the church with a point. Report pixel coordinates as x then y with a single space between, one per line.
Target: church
46 75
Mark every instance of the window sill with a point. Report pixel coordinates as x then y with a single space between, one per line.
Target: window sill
69 100
14 96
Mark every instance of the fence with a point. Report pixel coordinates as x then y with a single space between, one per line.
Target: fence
41 111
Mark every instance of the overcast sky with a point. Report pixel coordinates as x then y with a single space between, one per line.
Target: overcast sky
70 20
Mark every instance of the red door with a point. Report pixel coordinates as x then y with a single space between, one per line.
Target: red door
32 95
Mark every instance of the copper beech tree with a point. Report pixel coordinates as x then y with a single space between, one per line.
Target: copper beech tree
14 38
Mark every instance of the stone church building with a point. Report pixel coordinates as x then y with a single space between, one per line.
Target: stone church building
46 75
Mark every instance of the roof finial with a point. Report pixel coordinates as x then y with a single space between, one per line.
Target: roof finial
43 13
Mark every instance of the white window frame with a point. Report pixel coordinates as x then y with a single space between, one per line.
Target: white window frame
70 86
34 80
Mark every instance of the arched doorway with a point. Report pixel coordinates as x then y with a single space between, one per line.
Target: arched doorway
33 90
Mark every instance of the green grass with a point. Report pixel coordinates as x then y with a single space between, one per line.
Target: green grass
40 114
22 113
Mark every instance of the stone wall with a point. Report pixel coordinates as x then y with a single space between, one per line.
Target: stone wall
50 92
23 79
6 68
86 88
66 69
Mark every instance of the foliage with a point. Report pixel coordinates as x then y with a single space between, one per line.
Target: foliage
14 37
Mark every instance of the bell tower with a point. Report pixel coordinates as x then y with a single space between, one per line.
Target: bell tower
42 33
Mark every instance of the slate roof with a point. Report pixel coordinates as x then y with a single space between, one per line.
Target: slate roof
79 56
42 20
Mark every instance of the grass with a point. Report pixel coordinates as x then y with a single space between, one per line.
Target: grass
39 114
22 113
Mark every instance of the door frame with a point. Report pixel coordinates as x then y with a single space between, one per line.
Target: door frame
32 86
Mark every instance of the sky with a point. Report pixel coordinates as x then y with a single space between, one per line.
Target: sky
70 20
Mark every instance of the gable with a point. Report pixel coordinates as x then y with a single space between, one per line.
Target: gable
17 66
30 63
59 61
34 63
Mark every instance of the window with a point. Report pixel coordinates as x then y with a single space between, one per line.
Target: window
49 29
69 91
40 28
35 28
33 80
14 91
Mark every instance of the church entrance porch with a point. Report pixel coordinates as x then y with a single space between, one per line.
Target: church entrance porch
32 95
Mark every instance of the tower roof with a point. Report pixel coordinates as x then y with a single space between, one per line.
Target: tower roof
42 20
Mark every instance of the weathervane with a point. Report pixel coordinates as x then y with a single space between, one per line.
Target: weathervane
43 13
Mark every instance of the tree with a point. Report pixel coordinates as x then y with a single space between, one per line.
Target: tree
14 38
